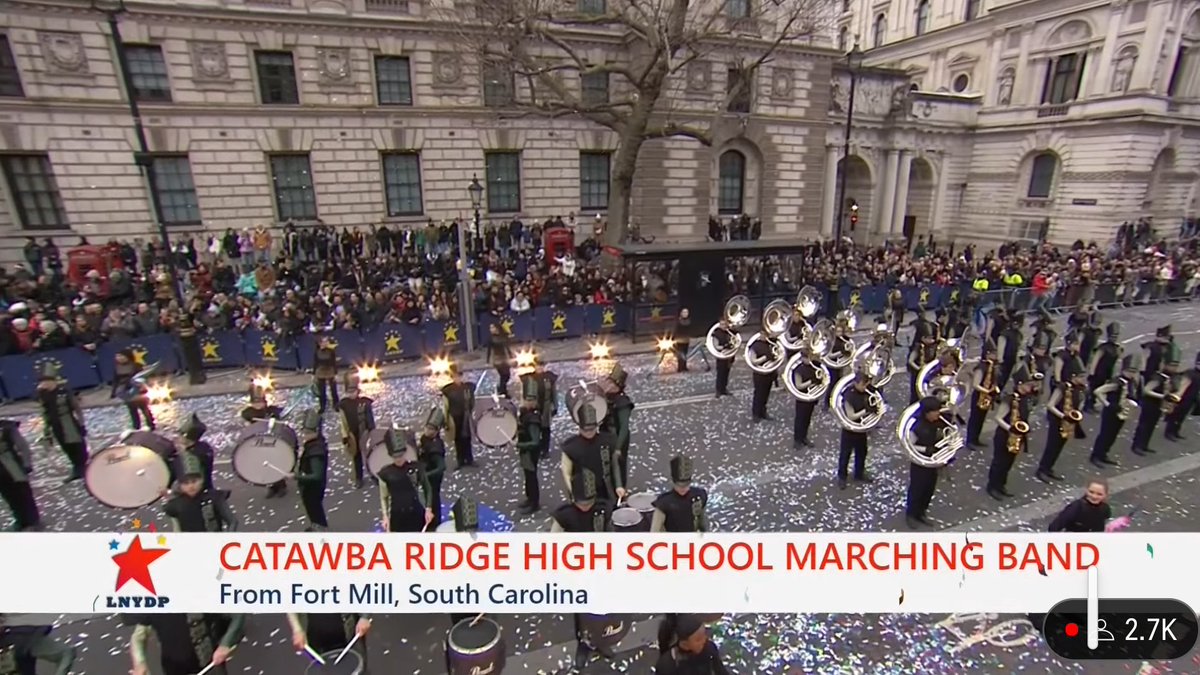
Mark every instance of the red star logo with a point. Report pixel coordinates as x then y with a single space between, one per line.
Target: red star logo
135 564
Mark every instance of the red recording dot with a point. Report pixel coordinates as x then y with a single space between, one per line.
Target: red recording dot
1072 630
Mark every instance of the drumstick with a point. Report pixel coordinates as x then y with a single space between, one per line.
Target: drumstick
313 653
281 471
347 648
213 664
477 619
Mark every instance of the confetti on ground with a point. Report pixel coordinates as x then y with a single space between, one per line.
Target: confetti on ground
1150 550
901 596
1042 570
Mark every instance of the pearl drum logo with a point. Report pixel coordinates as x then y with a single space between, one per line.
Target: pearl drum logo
133 565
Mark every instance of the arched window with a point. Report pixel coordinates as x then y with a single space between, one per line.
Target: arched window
732 184
879 30
843 35
1041 176
923 8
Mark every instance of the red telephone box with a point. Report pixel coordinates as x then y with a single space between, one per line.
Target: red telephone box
84 259
559 241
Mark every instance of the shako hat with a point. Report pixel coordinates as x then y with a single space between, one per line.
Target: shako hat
681 469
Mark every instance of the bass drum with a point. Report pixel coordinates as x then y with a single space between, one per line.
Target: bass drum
589 392
475 646
643 503
604 631
626 519
379 445
132 473
352 664
496 423
264 452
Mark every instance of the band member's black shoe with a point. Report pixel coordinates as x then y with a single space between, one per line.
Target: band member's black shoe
582 656
1096 462
842 482
1005 492
358 483
1109 462
75 475
1171 437
865 478
995 494
1042 476
1055 476
925 521
914 523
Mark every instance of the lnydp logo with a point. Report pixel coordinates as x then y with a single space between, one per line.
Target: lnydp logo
133 565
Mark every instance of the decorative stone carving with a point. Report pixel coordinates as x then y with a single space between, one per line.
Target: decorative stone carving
699 76
64 53
447 68
901 103
1004 89
1123 70
209 62
1070 32
782 83
333 65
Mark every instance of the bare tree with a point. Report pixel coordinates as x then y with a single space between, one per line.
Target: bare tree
624 64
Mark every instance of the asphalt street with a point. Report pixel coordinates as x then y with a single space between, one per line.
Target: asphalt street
759 482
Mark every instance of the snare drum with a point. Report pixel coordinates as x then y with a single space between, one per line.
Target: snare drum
590 393
604 631
265 452
379 454
643 503
496 423
352 664
446 527
475 646
132 473
626 519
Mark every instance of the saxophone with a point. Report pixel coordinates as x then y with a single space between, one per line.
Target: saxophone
1129 404
989 386
1071 417
1171 397
1018 427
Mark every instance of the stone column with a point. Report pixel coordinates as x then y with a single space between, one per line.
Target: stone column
829 202
939 194
883 223
1100 80
1026 71
902 192
1156 26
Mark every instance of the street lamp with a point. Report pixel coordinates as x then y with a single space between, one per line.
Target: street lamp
143 158
854 59
475 192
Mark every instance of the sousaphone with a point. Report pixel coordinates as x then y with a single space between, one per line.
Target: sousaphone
776 319
736 313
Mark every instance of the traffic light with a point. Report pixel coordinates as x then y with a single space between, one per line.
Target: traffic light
853 213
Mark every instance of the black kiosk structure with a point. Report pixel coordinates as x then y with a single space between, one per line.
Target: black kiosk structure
695 276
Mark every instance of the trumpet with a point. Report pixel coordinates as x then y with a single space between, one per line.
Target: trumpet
736 313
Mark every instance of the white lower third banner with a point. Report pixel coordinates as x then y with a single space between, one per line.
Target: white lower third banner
146 572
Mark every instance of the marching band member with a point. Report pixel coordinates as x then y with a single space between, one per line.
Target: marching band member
724 338
620 410
587 512
1039 353
1103 364
325 371
192 508
1154 391
997 320
547 402
1065 356
16 470
842 346
595 451
1043 324
1114 398
958 321
191 436
312 470
985 391
529 442
499 353
64 418
895 310
131 390
459 398
806 373
431 453
1064 417
856 404
1155 351
258 411
325 633
1008 351
357 421
684 648
1012 430
27 645
922 351
922 480
188 643
681 509
1188 389
404 490
1091 335
761 354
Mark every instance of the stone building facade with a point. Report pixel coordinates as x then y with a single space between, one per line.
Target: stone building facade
357 112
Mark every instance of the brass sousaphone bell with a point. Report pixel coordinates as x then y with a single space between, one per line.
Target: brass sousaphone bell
776 319
817 341
736 313
808 303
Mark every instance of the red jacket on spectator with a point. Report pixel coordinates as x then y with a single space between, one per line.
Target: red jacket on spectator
1041 283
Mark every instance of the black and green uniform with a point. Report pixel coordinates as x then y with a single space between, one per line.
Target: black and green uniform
547 406
432 456
206 512
16 467
187 641
191 432
64 419
358 421
22 647
459 409
530 433
327 633
595 453
682 509
620 409
325 375
404 490
312 467
585 513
